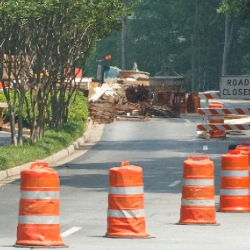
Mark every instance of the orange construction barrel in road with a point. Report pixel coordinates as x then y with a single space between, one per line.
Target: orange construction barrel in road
234 192
126 218
244 145
197 203
38 221
244 149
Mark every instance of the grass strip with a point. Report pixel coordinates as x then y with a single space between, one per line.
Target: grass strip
54 141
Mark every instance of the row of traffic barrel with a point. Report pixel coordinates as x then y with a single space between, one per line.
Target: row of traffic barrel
38 222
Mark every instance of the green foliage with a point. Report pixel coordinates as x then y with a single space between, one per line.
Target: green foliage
78 108
171 34
53 141
49 36
235 6
161 34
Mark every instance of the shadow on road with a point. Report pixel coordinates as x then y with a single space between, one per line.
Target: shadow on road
95 175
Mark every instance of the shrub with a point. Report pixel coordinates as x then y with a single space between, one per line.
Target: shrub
53 141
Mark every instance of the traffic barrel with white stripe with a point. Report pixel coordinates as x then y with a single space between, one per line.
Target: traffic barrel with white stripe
38 221
244 149
126 218
234 192
216 119
197 203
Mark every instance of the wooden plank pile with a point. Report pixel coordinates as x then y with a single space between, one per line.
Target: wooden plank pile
112 101
159 111
102 104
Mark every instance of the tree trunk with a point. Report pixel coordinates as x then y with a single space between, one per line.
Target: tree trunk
194 43
124 40
20 118
12 128
229 32
124 43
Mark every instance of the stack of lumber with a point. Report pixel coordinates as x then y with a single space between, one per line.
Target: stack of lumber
114 100
128 108
102 103
159 111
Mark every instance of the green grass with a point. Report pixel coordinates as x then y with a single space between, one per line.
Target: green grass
53 141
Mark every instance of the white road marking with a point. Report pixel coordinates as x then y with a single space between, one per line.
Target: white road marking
205 147
175 183
70 231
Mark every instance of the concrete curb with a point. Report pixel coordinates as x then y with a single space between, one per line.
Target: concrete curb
52 159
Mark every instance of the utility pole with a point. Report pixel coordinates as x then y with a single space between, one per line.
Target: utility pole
124 38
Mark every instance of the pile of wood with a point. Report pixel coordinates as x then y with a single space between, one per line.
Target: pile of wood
159 111
103 101
102 104
101 111
113 100
129 109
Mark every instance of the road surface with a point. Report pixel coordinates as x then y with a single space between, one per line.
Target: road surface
160 146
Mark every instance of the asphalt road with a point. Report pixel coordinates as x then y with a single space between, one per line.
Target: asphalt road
4 138
160 146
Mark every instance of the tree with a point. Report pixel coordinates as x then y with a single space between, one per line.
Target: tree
238 6
190 36
49 37
233 9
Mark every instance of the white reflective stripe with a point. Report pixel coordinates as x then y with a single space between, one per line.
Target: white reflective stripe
126 213
126 190
198 182
31 219
238 173
185 202
40 194
234 192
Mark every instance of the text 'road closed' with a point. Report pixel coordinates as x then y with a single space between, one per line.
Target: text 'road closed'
235 87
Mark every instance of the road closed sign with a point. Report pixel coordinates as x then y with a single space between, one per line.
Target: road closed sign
235 87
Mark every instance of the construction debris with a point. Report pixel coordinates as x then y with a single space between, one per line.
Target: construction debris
102 104
138 102
160 111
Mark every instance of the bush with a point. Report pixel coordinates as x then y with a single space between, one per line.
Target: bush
53 141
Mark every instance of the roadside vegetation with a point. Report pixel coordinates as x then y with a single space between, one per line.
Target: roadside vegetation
54 139
42 43
200 40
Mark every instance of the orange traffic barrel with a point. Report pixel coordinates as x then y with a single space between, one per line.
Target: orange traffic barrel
244 145
126 217
244 149
180 103
218 119
197 203
234 192
38 221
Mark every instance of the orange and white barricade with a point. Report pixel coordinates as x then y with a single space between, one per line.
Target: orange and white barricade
219 121
38 221
216 119
197 203
126 218
234 192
